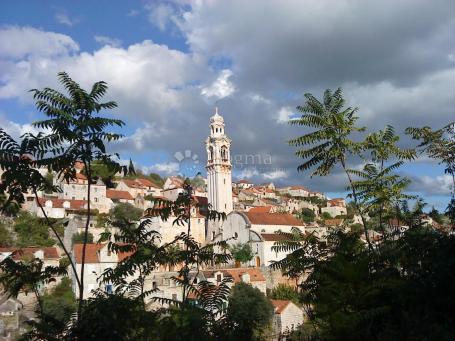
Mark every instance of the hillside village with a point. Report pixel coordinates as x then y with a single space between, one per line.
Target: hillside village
256 215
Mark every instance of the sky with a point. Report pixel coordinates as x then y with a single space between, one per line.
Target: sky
168 64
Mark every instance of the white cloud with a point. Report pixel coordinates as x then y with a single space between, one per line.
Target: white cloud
284 115
274 175
160 15
167 168
432 185
64 19
28 42
222 87
104 40
16 130
247 173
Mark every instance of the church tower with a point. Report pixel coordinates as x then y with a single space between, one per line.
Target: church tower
219 177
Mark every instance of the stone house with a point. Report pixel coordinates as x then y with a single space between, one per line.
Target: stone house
287 317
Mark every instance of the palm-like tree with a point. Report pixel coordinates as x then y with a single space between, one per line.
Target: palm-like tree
331 141
76 133
379 190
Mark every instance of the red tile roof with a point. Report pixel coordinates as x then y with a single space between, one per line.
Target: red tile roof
273 237
91 253
280 305
114 194
244 181
58 203
273 219
261 209
147 183
299 187
49 252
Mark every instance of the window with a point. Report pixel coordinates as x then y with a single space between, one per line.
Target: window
96 199
174 297
236 235
224 180
219 278
154 286
108 289
213 235
109 253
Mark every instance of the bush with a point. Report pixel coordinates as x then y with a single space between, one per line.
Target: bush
242 252
78 238
6 239
125 211
307 215
31 231
284 292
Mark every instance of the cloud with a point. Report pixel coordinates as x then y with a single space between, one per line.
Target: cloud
167 168
160 15
104 40
284 115
28 42
222 87
64 19
427 185
16 130
274 175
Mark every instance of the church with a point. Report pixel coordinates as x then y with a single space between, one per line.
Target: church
259 229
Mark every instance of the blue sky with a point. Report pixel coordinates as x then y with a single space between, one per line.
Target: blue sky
168 63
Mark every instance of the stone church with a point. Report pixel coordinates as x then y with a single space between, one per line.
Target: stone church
257 229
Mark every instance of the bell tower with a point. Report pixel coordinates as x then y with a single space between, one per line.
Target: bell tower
219 177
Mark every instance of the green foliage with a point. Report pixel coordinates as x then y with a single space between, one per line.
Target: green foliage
438 144
31 231
450 212
26 276
104 171
78 238
326 215
436 216
6 238
307 215
241 252
125 211
60 303
356 228
330 142
102 220
250 311
285 292
49 178
400 292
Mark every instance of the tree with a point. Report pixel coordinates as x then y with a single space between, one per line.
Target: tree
326 215
307 215
435 215
60 303
125 211
77 133
31 231
450 212
26 276
438 144
249 311
103 171
78 238
6 239
285 292
241 253
331 142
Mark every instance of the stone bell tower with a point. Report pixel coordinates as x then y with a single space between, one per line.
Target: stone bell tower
219 174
